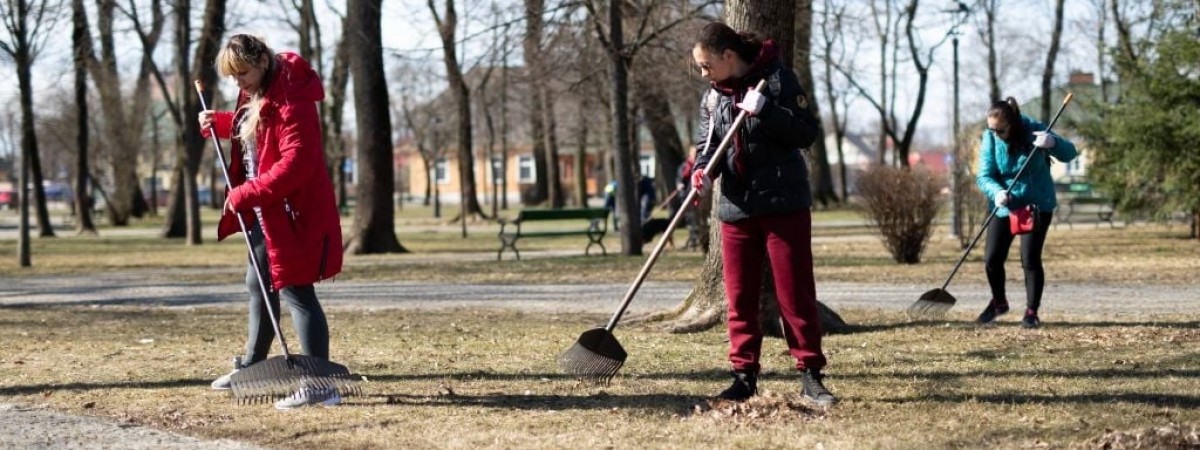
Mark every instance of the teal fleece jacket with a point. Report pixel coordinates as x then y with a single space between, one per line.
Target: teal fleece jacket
997 167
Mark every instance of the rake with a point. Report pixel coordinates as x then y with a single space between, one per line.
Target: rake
597 355
936 302
278 376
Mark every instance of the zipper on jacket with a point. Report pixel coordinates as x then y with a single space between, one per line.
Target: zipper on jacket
324 255
291 215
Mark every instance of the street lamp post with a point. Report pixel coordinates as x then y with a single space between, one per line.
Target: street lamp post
959 10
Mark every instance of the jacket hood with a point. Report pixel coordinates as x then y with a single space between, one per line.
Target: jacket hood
764 64
294 81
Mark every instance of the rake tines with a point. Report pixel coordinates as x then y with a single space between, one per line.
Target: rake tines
281 376
932 305
596 357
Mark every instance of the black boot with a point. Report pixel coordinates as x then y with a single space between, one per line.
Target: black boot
744 386
814 390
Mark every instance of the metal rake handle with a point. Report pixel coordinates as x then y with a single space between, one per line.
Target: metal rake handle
262 286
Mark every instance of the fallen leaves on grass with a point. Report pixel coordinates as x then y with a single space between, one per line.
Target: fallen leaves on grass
763 407
1168 437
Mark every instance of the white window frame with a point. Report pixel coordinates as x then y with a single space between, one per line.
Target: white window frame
646 164
441 173
526 171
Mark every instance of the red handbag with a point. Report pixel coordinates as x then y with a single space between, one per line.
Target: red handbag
1020 220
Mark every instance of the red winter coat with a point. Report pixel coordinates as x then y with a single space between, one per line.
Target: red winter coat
299 213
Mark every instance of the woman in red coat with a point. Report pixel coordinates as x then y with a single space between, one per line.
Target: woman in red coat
283 192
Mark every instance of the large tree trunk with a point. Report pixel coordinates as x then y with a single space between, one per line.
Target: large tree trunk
531 43
83 202
705 305
374 224
624 156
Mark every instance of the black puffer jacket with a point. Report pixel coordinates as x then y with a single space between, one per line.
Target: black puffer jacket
774 176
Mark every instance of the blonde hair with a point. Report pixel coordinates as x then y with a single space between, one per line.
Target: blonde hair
241 53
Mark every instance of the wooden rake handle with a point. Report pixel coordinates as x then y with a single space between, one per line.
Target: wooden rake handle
687 203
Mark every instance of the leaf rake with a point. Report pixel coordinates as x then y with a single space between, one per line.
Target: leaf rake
279 376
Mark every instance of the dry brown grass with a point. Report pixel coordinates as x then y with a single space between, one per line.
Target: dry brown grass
487 379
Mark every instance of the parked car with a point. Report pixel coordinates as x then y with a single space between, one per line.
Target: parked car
8 199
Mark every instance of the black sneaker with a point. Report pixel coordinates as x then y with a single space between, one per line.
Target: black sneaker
744 386
993 310
814 390
1031 319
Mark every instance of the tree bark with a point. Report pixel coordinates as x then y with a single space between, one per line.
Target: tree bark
374 224
83 202
531 43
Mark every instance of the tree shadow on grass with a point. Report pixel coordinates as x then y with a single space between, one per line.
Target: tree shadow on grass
675 403
164 384
1152 399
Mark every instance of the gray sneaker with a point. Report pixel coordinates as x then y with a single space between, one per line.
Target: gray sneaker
225 382
310 396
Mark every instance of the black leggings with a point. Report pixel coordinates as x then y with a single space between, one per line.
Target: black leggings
999 239
307 315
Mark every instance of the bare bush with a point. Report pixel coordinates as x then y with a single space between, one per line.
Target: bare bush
902 203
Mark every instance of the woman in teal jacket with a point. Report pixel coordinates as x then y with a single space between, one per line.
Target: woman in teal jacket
1010 139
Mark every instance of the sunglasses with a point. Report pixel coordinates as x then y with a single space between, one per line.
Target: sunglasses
998 130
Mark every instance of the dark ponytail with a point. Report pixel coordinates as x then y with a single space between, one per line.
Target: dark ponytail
717 37
1009 111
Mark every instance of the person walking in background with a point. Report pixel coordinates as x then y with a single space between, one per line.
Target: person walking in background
1011 139
647 198
765 203
282 190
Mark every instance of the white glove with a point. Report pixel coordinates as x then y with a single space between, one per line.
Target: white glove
753 102
1044 140
1001 198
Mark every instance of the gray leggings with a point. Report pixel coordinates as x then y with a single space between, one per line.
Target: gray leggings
306 312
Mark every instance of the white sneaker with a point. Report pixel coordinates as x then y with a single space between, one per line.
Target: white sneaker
225 382
310 396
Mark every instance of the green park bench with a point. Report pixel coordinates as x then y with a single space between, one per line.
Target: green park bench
590 222
1078 198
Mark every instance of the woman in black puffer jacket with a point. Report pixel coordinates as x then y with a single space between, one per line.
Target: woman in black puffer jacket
765 201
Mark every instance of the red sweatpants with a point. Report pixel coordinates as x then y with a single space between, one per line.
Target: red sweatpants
787 240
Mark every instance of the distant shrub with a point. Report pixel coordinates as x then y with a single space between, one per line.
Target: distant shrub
902 203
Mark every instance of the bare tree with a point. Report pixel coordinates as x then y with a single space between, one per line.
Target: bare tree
532 45
446 24
183 211
1051 57
374 223
28 25
821 177
83 202
832 32
988 34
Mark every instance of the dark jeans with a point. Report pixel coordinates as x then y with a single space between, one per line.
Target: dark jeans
306 312
785 241
999 239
